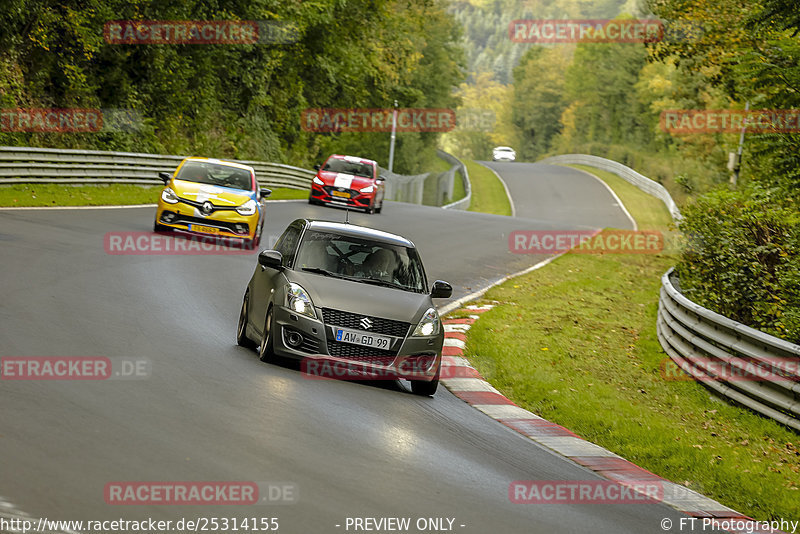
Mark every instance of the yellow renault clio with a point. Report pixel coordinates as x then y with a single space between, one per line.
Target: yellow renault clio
212 197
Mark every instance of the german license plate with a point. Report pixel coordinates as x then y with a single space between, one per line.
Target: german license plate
204 229
359 337
342 194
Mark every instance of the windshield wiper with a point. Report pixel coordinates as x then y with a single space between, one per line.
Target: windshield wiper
318 270
378 282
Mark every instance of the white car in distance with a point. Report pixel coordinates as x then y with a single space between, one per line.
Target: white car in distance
503 153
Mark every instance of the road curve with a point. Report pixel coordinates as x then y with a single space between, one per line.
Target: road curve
560 195
211 410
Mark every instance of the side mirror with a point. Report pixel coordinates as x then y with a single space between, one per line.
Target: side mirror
264 193
441 290
316 167
165 177
270 258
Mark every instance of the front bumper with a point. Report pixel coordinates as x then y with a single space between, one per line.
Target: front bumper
356 199
226 223
312 341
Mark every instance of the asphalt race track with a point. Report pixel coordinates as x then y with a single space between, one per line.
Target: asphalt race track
211 411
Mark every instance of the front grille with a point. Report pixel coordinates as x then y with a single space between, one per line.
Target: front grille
387 327
358 352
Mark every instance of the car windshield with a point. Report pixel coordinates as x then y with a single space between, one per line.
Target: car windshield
349 167
204 172
361 260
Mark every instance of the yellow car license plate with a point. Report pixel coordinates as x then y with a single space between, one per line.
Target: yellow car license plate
204 229
342 194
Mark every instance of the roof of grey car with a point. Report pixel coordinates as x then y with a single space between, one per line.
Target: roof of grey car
360 231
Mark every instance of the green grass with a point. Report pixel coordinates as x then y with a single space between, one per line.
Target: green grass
27 195
575 342
459 191
430 189
440 165
488 193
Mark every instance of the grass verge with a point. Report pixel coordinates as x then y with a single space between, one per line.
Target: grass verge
488 193
430 187
576 343
30 195
459 191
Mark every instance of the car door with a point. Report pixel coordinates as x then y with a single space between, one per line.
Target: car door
266 280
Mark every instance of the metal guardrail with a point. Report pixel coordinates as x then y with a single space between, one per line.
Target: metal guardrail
626 173
403 188
458 165
713 349
55 165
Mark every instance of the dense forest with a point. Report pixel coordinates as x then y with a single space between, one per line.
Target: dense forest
229 99
607 99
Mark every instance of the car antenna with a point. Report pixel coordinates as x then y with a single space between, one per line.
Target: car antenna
347 215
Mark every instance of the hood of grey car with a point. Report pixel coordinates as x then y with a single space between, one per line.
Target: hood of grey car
364 299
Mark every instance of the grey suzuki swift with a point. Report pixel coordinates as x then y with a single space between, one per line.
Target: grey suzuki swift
340 296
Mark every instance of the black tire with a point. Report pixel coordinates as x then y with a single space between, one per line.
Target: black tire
160 228
379 209
266 351
424 388
257 238
251 244
241 329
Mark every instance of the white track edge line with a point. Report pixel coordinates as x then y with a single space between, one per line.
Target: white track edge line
508 193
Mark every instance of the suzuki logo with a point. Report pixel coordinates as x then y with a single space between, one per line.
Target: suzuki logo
366 323
207 208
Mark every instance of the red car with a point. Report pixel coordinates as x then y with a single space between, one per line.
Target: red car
350 182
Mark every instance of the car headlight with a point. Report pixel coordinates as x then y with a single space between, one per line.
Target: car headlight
298 300
317 181
169 196
368 189
248 208
429 325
